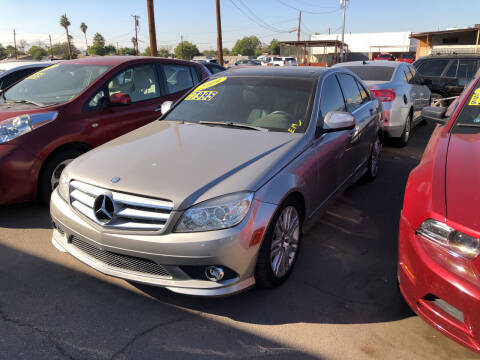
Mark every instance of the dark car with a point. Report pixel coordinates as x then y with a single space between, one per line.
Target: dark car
56 114
214 68
14 71
448 74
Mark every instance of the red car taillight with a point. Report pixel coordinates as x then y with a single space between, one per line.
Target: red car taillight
384 95
284 62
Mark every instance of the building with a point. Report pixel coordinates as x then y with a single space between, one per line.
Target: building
365 46
449 41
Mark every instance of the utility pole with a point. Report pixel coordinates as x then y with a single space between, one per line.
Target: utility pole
299 23
136 17
51 47
117 48
219 35
151 28
181 43
344 5
15 44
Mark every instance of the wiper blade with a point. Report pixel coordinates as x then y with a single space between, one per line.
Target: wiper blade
25 102
233 124
468 125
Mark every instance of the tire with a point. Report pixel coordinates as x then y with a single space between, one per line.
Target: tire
53 169
274 247
374 160
435 100
403 140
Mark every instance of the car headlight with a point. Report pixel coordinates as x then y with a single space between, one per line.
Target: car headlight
64 187
22 124
219 213
453 240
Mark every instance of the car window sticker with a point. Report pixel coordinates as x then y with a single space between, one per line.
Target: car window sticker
199 94
293 127
40 73
475 100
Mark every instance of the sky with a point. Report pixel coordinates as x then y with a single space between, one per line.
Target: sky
34 20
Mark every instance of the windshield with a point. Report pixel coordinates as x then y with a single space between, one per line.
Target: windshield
276 104
468 120
373 73
56 84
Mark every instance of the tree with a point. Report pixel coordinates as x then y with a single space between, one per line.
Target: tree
210 53
110 49
98 40
96 50
65 23
126 51
163 52
186 50
84 28
61 50
147 51
37 52
274 47
246 46
3 52
226 51
22 44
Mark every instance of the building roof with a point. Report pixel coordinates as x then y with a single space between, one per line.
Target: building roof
444 32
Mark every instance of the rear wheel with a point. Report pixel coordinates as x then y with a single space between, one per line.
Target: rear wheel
50 175
280 247
374 160
406 131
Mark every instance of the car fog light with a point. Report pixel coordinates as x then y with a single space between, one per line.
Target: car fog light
214 273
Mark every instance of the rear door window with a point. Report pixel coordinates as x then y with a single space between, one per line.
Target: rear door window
139 82
466 71
353 98
332 97
452 70
178 77
433 67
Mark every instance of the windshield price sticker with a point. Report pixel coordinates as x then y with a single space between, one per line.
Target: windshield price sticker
295 126
211 83
202 95
475 100
40 73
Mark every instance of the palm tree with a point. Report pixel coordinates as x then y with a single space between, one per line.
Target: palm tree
135 45
84 28
65 24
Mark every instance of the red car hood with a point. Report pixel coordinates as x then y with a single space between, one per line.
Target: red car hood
463 179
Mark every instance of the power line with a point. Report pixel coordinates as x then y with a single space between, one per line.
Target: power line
253 19
258 18
308 11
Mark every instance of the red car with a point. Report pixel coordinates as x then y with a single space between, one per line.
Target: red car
408 58
58 113
439 246
386 57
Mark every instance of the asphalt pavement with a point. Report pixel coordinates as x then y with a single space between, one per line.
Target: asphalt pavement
341 301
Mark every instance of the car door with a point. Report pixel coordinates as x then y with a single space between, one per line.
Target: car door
362 109
140 83
423 92
329 148
413 92
433 69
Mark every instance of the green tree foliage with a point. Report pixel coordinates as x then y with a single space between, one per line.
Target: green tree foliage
110 49
146 52
3 52
84 28
210 53
96 50
226 52
98 40
126 51
37 52
65 23
274 47
60 50
246 46
162 52
188 51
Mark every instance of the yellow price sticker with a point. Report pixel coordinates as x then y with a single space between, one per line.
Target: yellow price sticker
202 95
40 73
211 83
294 126
475 100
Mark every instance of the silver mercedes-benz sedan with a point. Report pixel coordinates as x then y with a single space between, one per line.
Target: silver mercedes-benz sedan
401 90
212 198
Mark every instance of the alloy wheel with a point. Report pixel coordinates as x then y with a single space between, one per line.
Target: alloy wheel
57 172
284 246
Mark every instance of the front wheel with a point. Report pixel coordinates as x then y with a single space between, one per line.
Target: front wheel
374 160
280 247
50 175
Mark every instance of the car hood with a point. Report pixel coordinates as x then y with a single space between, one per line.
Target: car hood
462 179
187 163
10 110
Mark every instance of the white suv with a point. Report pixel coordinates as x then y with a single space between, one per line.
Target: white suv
279 61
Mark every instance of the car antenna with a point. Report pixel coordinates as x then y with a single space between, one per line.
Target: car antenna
364 62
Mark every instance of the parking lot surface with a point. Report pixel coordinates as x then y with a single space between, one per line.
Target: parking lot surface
341 301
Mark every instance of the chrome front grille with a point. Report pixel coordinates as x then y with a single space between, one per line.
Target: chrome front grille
129 212
120 261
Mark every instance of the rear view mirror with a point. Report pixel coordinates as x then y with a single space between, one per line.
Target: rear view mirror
120 99
338 120
435 114
166 106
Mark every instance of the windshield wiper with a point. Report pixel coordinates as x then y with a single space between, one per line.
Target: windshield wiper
468 125
233 124
27 102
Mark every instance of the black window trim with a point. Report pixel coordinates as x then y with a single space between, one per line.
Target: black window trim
361 105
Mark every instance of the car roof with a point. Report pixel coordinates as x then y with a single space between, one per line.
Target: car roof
282 71
8 65
393 64
449 56
118 60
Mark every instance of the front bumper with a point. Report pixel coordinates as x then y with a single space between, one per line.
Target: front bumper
444 300
228 248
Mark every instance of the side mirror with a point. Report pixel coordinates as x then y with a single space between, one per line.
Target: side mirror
120 99
166 106
338 120
435 114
